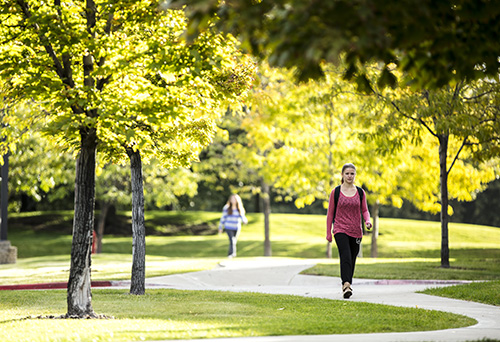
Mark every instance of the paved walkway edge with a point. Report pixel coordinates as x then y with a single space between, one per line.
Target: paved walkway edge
282 276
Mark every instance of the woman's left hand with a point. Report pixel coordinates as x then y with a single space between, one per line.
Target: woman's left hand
369 225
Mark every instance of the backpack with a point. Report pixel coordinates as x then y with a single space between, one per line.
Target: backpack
336 196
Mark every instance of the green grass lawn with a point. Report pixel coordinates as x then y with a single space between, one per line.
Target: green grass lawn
407 250
481 292
104 267
292 235
173 314
487 268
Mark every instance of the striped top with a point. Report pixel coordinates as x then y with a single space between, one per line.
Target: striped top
233 221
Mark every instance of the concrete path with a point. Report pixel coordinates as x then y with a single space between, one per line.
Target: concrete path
281 276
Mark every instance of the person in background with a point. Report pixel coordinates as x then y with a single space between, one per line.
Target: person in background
233 214
346 216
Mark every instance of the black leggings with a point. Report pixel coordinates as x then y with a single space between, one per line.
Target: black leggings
348 251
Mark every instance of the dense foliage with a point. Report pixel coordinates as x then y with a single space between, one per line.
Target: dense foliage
434 41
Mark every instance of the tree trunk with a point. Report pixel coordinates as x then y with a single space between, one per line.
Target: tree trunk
79 296
331 141
4 197
101 225
443 151
257 203
137 285
374 250
266 207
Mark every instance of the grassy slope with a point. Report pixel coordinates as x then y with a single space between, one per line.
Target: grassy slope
292 235
406 248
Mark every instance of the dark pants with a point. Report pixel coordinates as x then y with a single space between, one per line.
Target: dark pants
233 239
348 251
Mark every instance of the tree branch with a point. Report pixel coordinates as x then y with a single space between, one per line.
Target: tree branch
90 14
109 22
428 128
101 82
456 94
43 38
66 57
478 96
68 72
464 143
57 4
59 68
88 58
427 98
406 115
457 90
14 37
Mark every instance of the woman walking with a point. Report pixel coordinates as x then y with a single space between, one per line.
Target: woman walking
346 210
233 214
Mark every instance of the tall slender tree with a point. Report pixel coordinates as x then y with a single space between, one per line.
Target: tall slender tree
463 118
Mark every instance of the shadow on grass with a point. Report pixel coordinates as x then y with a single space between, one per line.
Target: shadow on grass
215 247
36 244
33 244
180 314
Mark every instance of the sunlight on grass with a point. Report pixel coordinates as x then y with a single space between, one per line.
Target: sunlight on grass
292 235
412 268
174 314
407 250
481 292
104 267
474 249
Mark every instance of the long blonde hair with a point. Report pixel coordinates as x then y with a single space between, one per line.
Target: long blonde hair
239 205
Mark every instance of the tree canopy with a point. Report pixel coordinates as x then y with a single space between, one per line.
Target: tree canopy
115 77
435 41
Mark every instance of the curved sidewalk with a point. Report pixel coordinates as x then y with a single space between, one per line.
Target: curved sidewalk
281 276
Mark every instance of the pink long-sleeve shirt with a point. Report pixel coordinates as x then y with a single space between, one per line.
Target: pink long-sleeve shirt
347 217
